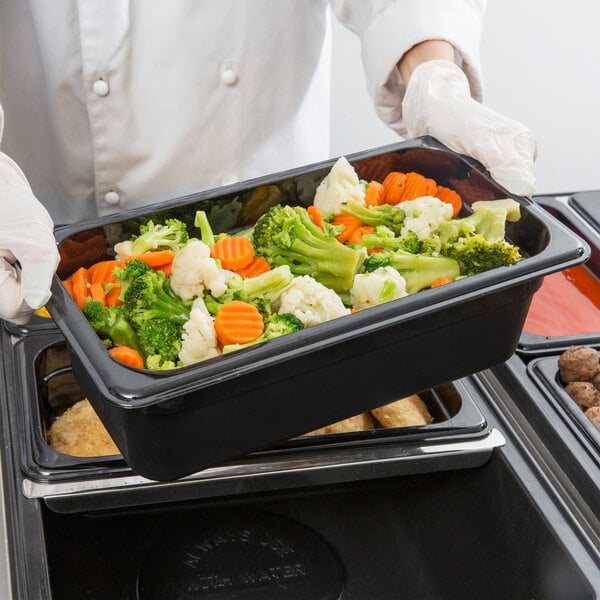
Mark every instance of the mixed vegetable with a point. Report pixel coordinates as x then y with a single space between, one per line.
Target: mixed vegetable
168 300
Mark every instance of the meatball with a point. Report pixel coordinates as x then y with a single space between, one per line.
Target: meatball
584 393
578 363
593 414
596 378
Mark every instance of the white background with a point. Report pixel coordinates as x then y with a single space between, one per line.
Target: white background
541 66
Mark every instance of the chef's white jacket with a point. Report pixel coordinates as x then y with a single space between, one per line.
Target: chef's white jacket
114 104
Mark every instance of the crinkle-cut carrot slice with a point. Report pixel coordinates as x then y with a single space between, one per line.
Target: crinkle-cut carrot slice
233 252
238 322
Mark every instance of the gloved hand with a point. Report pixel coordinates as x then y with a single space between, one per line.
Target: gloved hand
438 102
28 252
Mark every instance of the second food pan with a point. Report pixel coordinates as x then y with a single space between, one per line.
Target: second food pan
566 309
164 423
544 371
69 461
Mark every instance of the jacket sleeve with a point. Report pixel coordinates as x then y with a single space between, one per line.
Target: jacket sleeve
387 29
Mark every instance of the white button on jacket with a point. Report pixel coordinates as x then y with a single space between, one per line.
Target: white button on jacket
228 74
112 198
100 87
160 99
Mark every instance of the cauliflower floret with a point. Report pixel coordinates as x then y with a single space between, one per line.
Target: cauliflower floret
123 250
199 339
423 215
199 304
310 301
340 185
381 285
194 271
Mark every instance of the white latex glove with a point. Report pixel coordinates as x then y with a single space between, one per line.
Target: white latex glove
26 236
438 102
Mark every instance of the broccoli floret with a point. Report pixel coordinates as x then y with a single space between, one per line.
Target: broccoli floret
384 238
260 290
149 296
488 219
513 208
111 325
172 235
160 338
133 268
388 215
276 325
419 270
287 235
155 362
476 255
478 241
376 260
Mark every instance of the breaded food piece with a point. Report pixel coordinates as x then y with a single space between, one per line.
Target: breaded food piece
593 414
79 432
362 422
403 413
578 363
584 393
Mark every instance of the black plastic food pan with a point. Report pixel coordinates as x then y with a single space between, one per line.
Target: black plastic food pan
544 372
533 345
587 205
164 423
46 388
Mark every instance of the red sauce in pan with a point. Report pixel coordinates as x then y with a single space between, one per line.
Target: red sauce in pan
568 303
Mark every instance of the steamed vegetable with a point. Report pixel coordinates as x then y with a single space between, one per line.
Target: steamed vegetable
376 287
172 235
199 339
150 296
126 274
385 215
160 340
339 186
111 325
478 241
375 194
450 197
286 235
258 266
79 287
276 325
383 238
233 252
179 300
238 322
400 187
156 259
129 356
195 271
424 216
310 301
345 225
260 291
418 270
